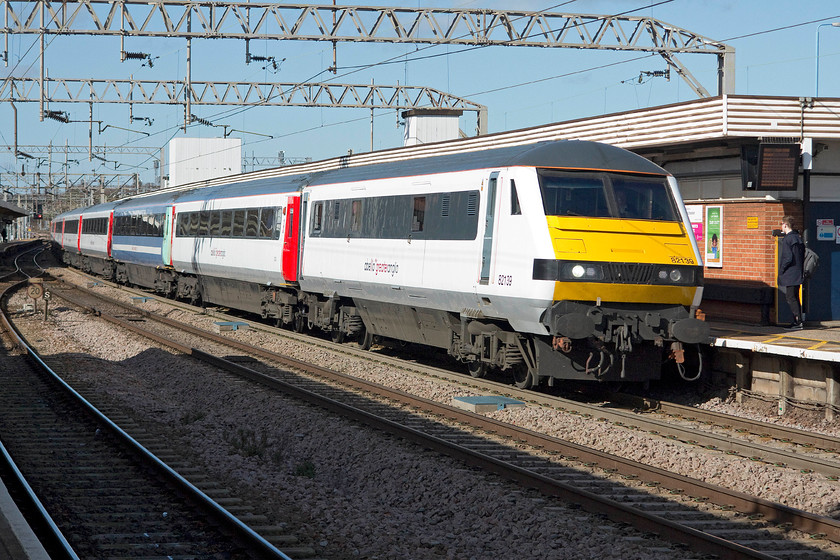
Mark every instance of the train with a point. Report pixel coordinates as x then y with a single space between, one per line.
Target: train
542 263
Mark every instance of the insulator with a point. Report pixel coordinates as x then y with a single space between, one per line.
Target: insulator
57 116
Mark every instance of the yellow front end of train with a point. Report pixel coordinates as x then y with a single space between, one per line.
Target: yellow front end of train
584 243
627 274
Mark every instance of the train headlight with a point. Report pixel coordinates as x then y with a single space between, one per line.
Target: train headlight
586 272
682 276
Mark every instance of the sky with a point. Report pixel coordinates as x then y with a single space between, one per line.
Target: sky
775 44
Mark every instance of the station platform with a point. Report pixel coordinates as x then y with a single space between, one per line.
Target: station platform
794 367
814 342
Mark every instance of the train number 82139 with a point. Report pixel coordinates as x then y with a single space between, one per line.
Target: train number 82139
681 260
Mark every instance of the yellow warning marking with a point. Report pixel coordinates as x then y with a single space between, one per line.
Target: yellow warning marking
774 339
817 345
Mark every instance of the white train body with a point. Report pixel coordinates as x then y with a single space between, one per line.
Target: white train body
249 259
415 271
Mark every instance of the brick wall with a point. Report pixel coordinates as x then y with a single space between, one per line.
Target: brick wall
748 255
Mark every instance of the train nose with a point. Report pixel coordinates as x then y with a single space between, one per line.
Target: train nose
691 331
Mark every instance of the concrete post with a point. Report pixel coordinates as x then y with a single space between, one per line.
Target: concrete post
832 393
785 384
743 377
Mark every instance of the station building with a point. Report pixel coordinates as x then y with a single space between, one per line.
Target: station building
743 162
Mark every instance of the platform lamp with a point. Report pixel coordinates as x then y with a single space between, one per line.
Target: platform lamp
817 72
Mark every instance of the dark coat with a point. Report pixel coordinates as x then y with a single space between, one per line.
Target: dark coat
792 260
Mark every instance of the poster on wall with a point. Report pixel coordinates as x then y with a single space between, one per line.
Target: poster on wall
714 236
695 216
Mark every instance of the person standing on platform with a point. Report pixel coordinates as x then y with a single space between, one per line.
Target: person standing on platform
791 271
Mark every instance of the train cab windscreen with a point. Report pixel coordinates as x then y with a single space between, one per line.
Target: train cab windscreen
606 195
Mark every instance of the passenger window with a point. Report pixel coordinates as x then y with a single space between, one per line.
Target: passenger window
266 222
419 213
215 223
204 223
238 223
318 217
195 223
356 216
252 222
227 219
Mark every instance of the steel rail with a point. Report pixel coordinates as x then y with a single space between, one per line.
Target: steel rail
622 417
48 532
251 539
798 519
764 429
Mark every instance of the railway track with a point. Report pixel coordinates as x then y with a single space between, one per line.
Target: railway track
759 441
88 488
531 458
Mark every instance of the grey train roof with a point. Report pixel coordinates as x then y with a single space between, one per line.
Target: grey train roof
561 153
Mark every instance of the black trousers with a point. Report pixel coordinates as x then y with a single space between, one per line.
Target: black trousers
792 297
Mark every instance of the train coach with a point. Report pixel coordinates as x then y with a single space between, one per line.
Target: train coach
549 261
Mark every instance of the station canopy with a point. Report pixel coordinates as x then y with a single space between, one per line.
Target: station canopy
9 211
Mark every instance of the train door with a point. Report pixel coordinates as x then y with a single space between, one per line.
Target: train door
168 235
489 227
79 235
110 232
291 237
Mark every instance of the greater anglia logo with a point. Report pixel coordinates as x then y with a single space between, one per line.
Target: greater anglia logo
217 252
378 268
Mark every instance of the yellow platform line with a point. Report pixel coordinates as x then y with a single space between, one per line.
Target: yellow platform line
774 339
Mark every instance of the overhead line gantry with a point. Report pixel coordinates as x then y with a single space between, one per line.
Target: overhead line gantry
273 21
